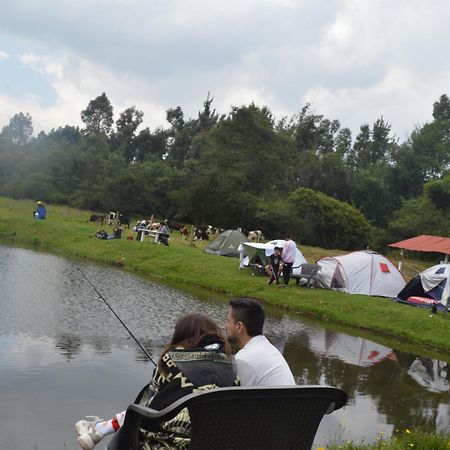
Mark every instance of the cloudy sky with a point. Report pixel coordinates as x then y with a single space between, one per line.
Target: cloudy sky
353 60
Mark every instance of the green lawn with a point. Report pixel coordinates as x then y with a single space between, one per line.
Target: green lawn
66 232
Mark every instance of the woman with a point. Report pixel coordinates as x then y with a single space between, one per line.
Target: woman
198 356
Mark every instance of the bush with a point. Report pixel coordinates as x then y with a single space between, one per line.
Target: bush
322 221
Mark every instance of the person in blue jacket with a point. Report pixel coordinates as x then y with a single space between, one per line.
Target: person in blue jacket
41 210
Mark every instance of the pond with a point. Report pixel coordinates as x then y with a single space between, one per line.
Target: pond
64 355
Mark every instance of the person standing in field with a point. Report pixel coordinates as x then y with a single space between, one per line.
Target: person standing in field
288 257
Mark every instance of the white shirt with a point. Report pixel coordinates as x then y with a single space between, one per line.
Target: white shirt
259 363
289 251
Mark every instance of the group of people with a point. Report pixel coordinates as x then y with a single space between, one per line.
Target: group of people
163 231
199 357
281 262
102 234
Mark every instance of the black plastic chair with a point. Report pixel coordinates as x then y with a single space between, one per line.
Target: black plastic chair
237 418
308 273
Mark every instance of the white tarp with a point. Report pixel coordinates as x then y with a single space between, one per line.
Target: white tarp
253 249
362 272
430 279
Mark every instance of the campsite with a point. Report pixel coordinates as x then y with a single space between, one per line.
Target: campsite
66 235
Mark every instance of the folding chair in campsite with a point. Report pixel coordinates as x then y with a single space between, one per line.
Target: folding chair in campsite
308 273
234 418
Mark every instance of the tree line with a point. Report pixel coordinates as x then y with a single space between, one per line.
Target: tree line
305 174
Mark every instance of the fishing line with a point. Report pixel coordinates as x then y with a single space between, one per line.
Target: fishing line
118 318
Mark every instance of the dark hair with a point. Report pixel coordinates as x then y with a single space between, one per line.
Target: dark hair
197 330
250 313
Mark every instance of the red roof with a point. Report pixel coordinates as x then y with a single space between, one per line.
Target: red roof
425 243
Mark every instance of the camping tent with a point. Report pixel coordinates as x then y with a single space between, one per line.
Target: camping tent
226 244
252 250
363 272
431 283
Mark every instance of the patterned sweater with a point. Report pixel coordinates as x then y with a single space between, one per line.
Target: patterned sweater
182 372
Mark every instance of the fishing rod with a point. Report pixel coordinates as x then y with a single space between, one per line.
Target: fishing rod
118 318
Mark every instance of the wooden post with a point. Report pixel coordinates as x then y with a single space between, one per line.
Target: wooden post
116 220
400 262
191 237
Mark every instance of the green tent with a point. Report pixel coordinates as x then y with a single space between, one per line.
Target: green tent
226 244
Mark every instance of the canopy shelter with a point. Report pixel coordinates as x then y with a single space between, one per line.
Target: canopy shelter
424 243
254 251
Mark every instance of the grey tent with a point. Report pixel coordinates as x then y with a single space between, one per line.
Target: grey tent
226 244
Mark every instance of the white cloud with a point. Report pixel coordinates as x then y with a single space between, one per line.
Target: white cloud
3 55
43 65
355 60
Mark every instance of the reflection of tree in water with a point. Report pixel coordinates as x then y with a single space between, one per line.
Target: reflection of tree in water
102 345
69 345
147 344
405 402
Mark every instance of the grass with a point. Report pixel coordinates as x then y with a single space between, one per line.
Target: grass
408 439
66 233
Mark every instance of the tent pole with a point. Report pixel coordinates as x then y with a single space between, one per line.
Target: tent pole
400 261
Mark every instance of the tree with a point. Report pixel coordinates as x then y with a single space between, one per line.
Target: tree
19 130
438 191
441 108
98 116
151 146
126 127
343 143
322 221
241 159
372 146
313 132
208 117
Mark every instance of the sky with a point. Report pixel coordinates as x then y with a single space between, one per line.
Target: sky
352 60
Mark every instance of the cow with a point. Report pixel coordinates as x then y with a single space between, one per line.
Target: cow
202 232
255 236
123 219
97 218
173 225
184 232
111 218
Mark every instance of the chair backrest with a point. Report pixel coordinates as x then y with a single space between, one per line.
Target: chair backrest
236 418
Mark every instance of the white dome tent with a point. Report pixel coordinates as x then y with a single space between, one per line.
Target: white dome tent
363 272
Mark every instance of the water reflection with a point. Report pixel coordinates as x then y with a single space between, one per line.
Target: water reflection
63 350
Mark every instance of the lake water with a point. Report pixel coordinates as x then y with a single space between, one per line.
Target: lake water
64 355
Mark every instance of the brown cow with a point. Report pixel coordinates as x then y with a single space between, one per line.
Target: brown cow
97 218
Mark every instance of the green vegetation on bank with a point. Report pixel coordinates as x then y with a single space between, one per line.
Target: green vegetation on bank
401 440
66 232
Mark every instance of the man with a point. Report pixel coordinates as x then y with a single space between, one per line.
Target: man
288 257
164 233
258 362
